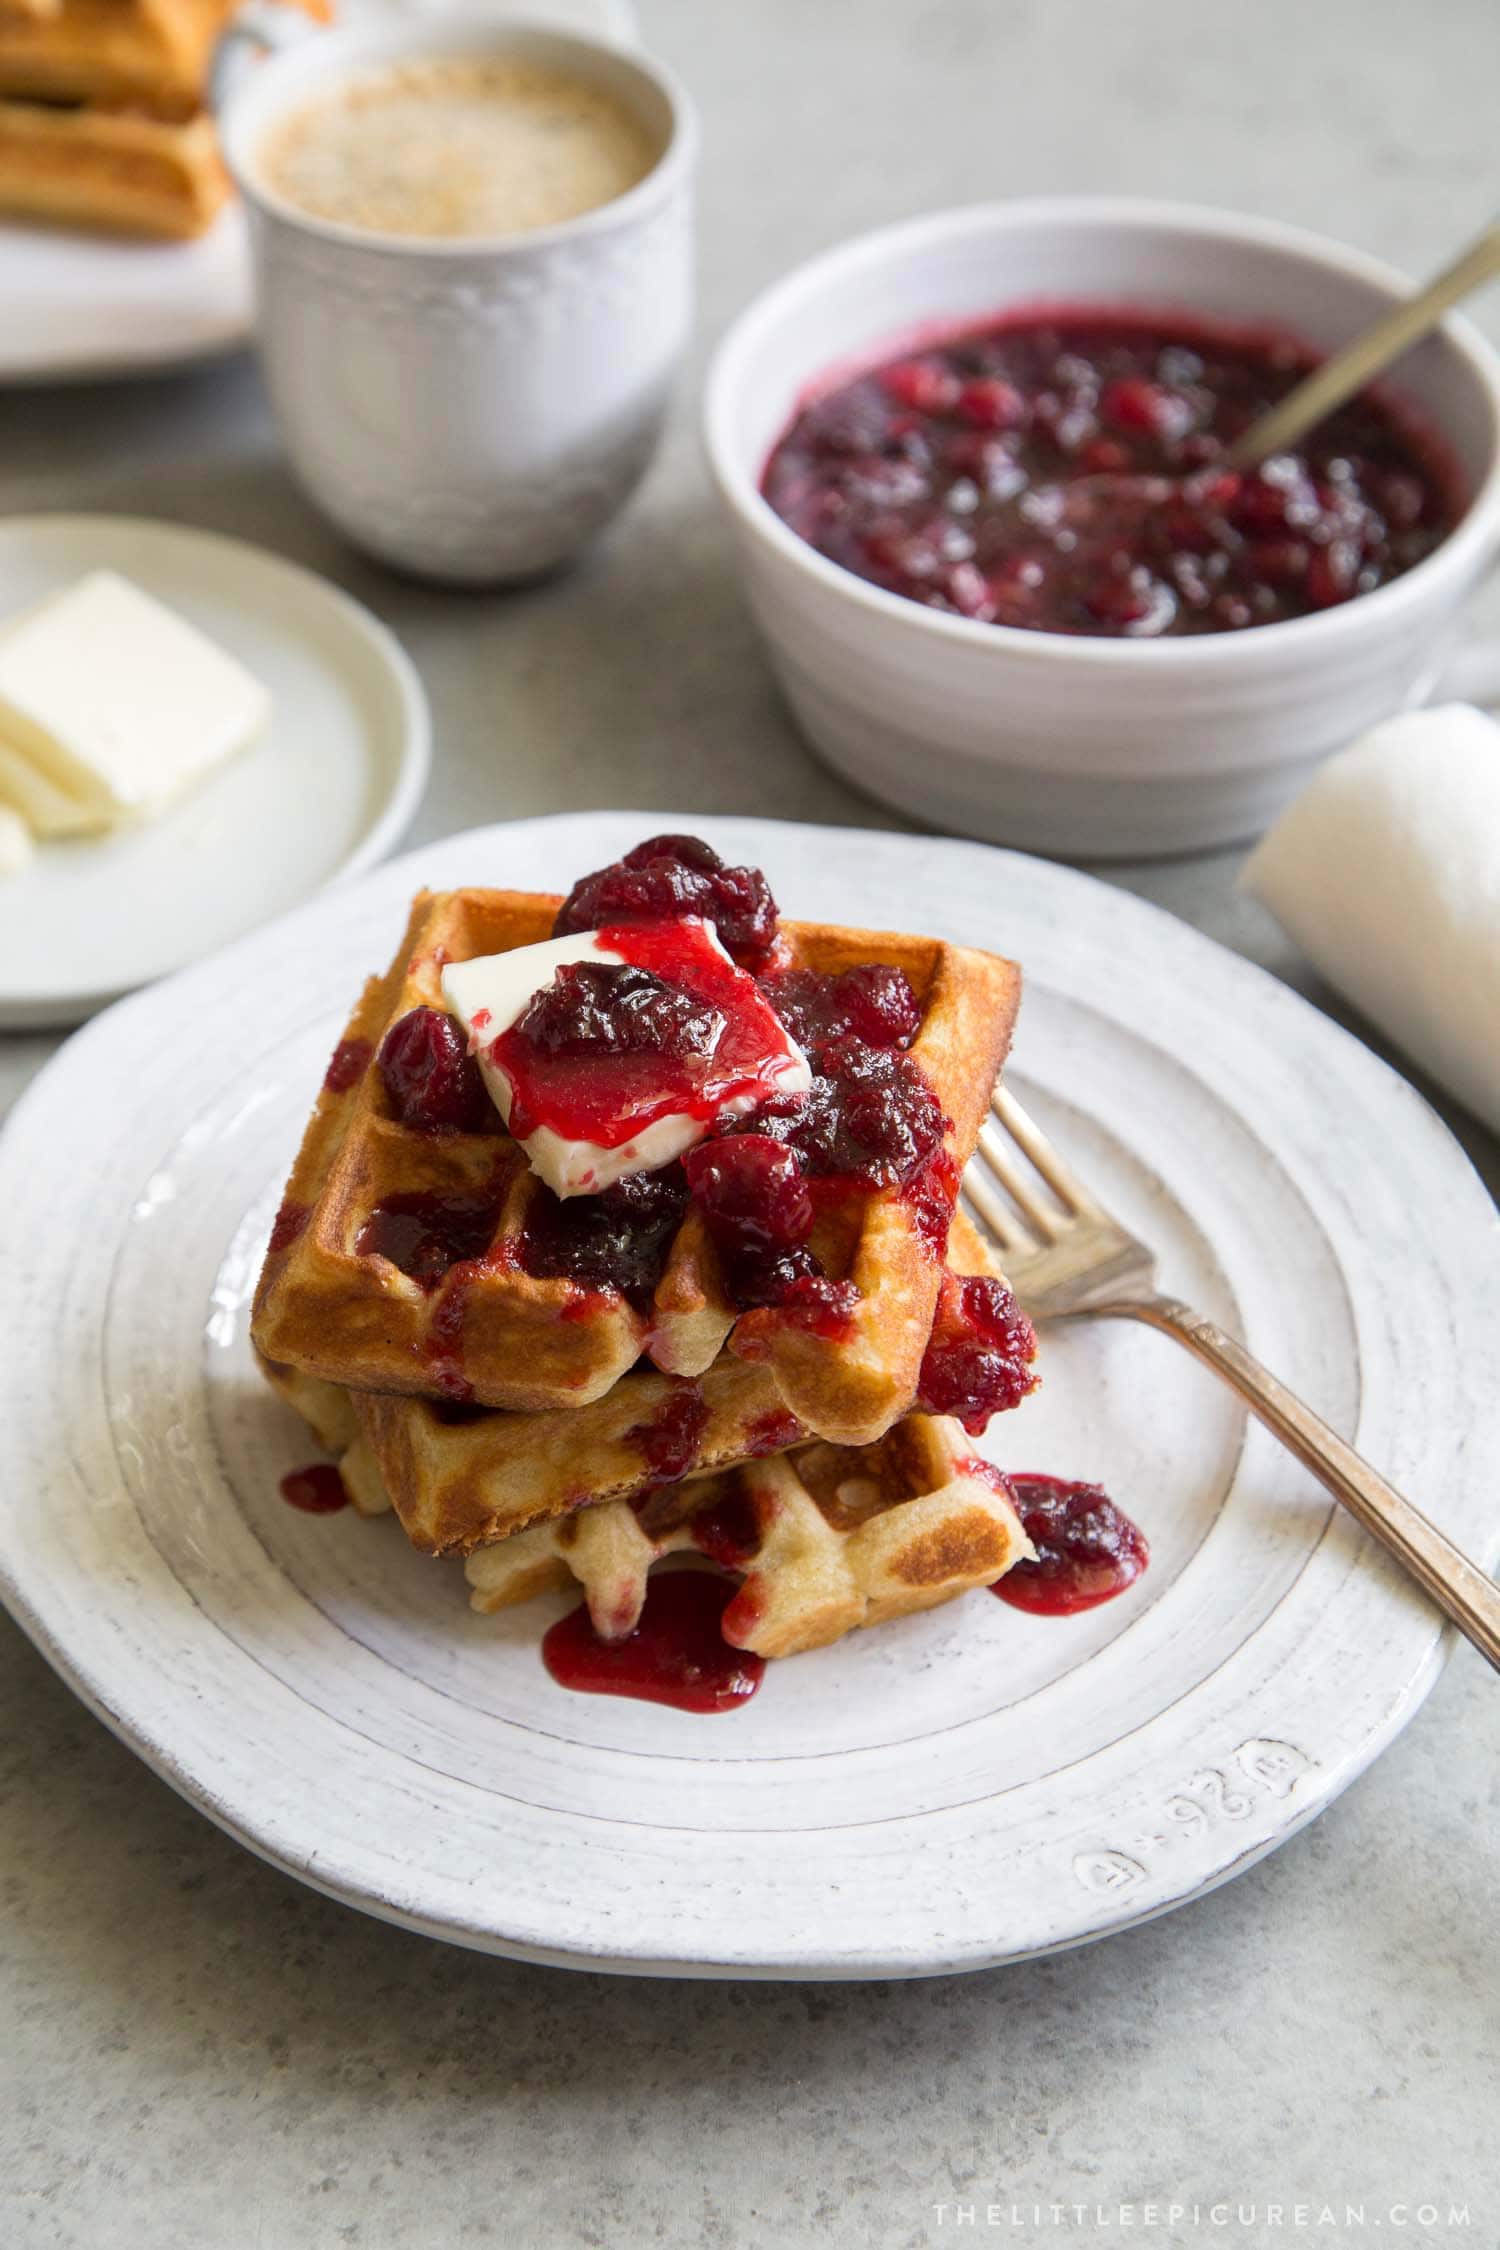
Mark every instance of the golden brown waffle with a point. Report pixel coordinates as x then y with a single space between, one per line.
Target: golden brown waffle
115 170
460 1479
151 55
458 1483
503 1337
827 1539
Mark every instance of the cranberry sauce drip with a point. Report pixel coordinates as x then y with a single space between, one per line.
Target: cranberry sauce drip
431 1080
930 1196
346 1065
1064 473
669 1442
426 1233
617 1240
317 1490
290 1220
772 1432
729 1531
1087 1549
607 1049
671 876
978 1359
677 1654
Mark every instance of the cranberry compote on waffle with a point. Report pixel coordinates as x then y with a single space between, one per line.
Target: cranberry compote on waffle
651 1121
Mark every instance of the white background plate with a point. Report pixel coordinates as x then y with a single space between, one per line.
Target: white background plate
325 791
80 307
947 1792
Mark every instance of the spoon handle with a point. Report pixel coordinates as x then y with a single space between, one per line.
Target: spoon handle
1373 349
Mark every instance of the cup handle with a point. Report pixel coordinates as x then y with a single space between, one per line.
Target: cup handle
1469 673
262 28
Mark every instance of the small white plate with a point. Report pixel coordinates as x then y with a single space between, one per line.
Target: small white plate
941 1793
90 307
324 792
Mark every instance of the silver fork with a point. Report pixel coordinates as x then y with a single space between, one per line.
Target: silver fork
1067 1258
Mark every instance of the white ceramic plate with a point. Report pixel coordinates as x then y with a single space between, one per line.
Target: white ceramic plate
949 1791
325 791
85 308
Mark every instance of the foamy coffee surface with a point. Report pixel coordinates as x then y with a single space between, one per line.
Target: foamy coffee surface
479 145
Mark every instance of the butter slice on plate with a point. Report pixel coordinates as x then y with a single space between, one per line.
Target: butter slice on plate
118 704
28 794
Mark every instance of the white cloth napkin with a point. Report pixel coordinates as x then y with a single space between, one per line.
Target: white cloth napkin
1386 872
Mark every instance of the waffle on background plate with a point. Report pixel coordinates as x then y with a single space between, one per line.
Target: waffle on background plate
494 1333
102 118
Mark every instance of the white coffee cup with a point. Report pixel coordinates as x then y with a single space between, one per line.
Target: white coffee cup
470 410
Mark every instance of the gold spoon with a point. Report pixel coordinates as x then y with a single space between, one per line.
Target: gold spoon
1360 361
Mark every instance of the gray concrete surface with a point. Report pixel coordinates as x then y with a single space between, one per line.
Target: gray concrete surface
193 2050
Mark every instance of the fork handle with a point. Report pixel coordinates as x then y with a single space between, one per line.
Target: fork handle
1463 1592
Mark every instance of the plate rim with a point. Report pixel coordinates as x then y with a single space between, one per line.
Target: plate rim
42 1011
1431 1645
234 333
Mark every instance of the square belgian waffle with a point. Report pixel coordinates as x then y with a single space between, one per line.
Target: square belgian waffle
463 1478
487 1331
825 1537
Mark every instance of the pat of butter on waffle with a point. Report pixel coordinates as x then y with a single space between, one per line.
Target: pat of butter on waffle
489 995
115 705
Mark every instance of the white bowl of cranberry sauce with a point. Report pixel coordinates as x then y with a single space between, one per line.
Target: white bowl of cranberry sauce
973 465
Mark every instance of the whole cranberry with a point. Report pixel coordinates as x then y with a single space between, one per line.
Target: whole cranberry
1332 573
430 1078
1124 599
990 403
978 1360
1144 409
750 1190
606 1009
871 1115
872 1000
924 384
617 1240
669 876
969 593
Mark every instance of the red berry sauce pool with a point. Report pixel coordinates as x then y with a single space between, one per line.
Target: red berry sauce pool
1087 1549
677 1654
1063 470
317 1491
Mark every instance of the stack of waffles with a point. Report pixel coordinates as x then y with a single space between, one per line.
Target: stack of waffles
550 1424
102 118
